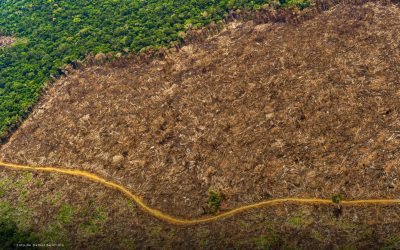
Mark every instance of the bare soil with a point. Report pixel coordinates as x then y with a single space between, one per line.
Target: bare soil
6 40
255 111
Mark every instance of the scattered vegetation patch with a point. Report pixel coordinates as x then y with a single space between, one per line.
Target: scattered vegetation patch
11 235
15 225
337 198
392 243
129 243
338 209
270 240
95 223
54 233
296 221
214 201
204 236
316 235
65 214
16 212
132 206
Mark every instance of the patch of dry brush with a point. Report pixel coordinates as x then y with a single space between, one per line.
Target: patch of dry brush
6 40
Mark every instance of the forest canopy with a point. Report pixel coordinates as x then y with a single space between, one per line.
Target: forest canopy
52 33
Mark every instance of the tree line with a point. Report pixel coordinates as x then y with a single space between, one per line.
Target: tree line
52 33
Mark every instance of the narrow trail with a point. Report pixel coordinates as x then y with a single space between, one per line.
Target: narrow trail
180 221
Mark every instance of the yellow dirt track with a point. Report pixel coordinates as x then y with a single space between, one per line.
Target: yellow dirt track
180 221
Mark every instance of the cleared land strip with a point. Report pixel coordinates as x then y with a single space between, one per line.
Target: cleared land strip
180 221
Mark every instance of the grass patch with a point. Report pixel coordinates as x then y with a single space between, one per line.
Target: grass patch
131 206
392 243
203 235
94 224
296 221
17 213
267 242
317 236
128 243
56 232
270 240
65 214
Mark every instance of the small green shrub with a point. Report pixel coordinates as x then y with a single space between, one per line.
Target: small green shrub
337 212
214 201
337 198
65 214
296 221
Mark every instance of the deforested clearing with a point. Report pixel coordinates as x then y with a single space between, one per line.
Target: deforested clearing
6 40
255 111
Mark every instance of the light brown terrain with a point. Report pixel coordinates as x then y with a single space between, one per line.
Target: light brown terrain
6 40
256 111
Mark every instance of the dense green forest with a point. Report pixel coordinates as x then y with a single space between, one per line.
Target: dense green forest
52 33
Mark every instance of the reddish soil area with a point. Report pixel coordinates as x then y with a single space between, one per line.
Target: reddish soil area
256 111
